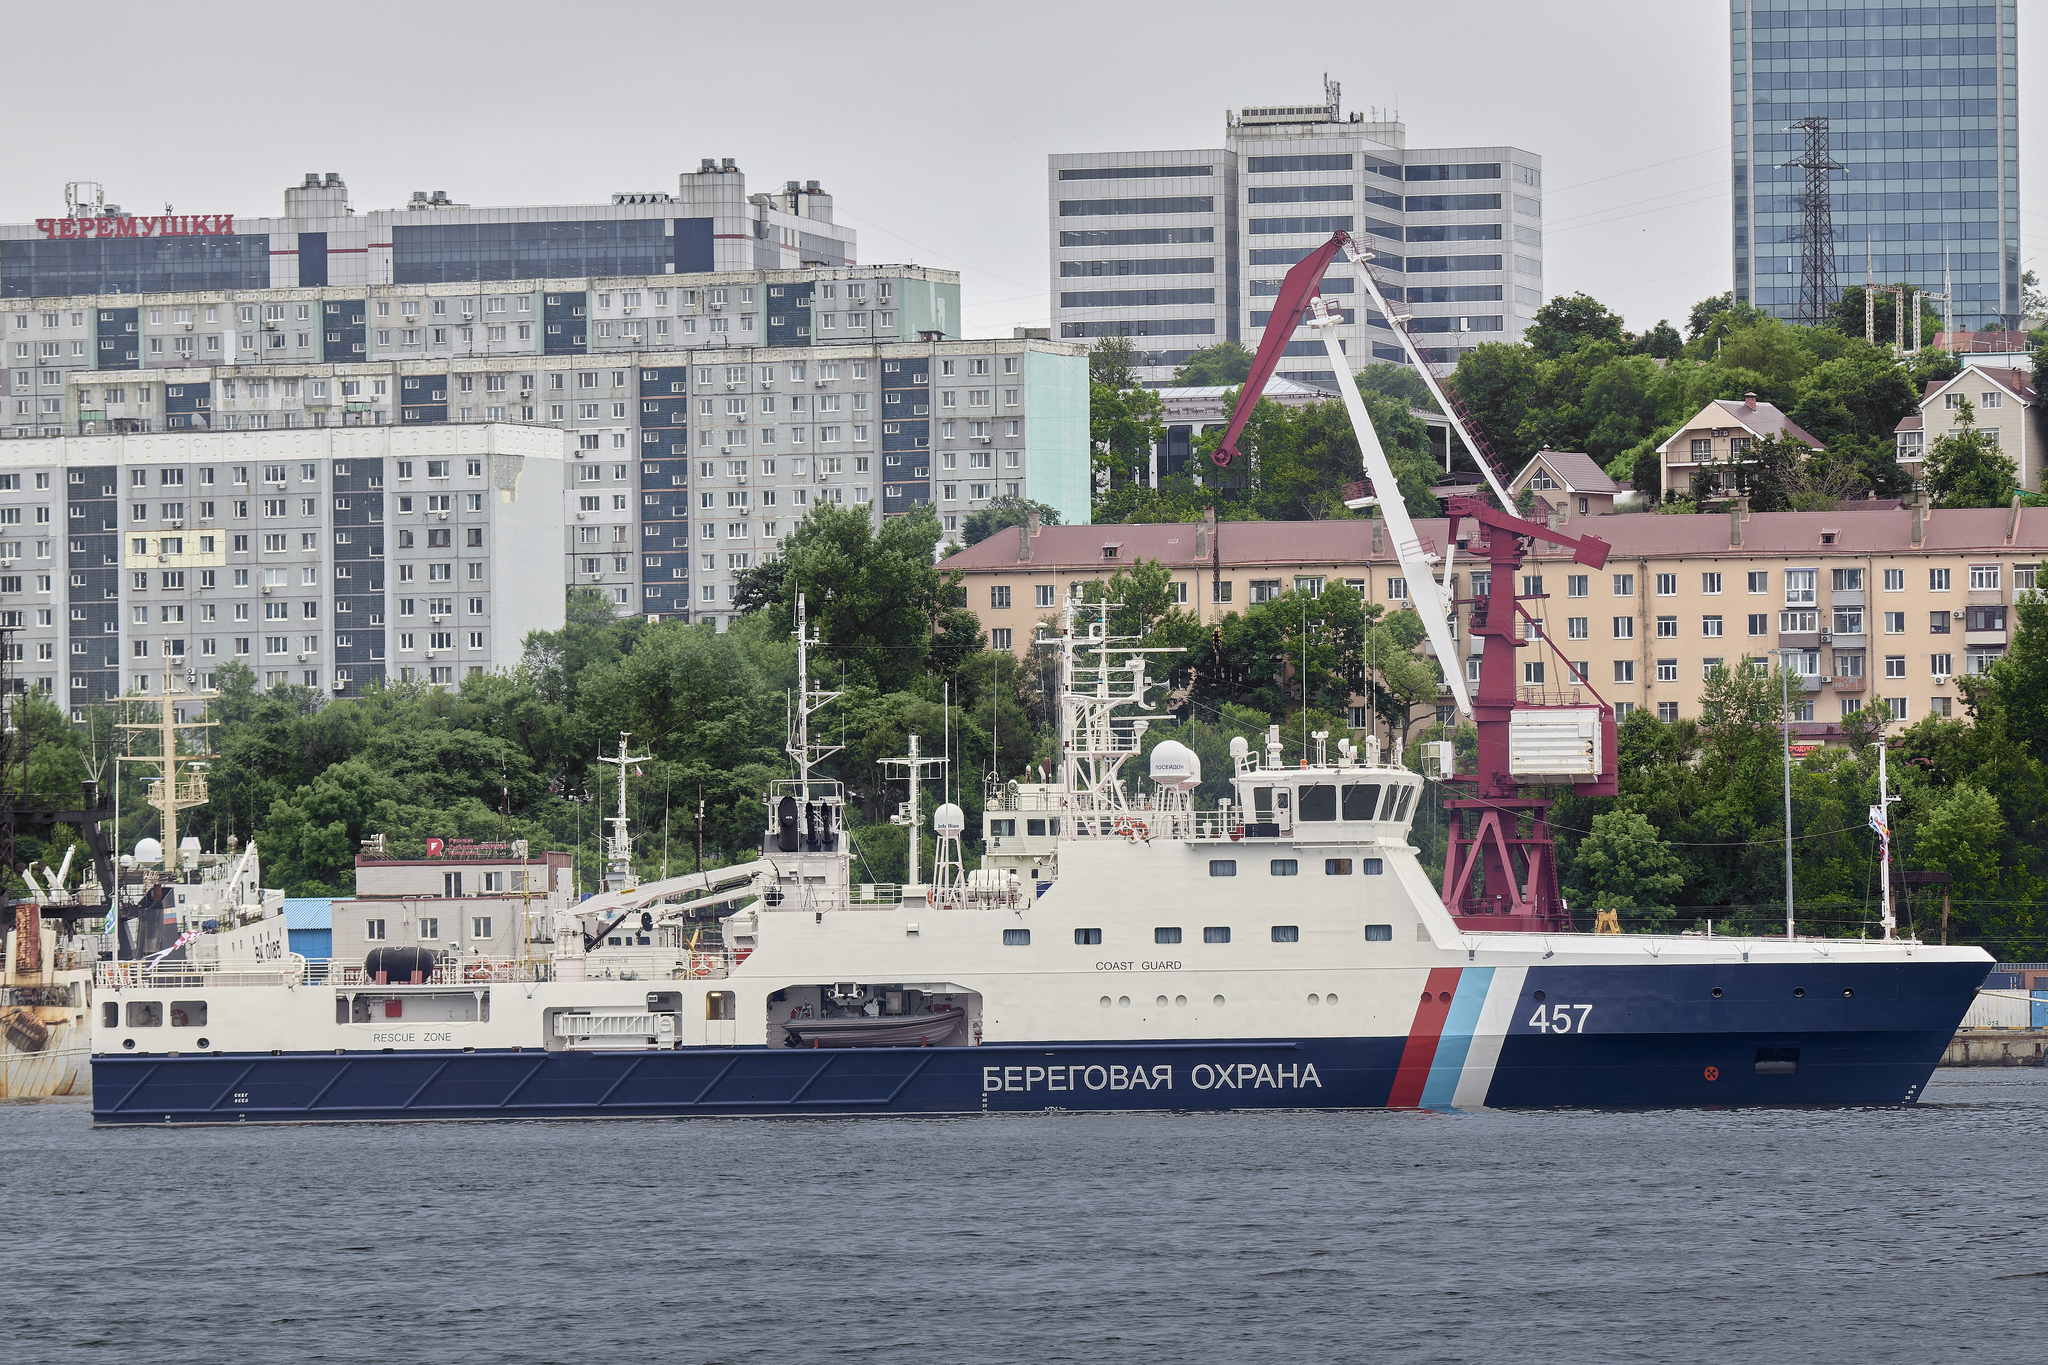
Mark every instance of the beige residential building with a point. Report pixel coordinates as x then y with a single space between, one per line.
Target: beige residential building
1894 603
2003 405
1569 482
1721 433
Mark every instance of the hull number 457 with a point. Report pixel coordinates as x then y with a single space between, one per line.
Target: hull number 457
1560 1018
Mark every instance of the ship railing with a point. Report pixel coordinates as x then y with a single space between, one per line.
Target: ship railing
474 972
608 965
1013 801
1219 824
116 976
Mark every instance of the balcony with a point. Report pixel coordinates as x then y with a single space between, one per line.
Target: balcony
1983 637
1843 684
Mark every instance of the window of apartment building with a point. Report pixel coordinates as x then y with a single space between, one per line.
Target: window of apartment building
1624 585
1710 627
1220 590
1043 594
1760 582
1895 623
1667 585
1759 623
1984 578
1802 587
1938 622
1576 628
1575 585
999 597
1710 584
1624 670
1667 670
1937 580
999 638
1667 710
1624 627
1667 627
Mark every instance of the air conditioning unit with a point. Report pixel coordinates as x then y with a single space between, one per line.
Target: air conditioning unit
302 658
1827 677
731 384
1958 616
1827 637
161 559
340 683
767 383
266 590
441 515
436 620
629 311
430 654
1941 680
718 308
822 383
984 439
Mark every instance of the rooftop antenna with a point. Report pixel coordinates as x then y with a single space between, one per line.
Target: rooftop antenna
807 703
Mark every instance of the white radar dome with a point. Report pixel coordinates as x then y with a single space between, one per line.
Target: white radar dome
1175 765
949 819
148 851
1240 747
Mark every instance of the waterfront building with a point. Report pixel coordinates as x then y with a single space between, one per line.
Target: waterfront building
1179 250
325 558
1896 603
1923 109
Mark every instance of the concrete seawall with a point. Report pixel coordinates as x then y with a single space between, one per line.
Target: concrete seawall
1998 1047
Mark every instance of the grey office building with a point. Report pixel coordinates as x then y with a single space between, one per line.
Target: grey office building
1923 110
1179 250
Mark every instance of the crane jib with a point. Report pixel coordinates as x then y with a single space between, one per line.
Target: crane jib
1296 289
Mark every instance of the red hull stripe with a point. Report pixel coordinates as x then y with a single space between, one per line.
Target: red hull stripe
1420 1053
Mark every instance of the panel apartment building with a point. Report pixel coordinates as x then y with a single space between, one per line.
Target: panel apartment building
1179 250
1895 604
739 318
325 558
1923 110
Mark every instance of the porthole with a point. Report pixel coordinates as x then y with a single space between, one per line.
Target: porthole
1219 1000
1161 1002
1123 1002
1105 1002
1180 1000
1847 993
1315 1000
1799 992
1717 992
203 1044
1329 1000
129 1043
1537 996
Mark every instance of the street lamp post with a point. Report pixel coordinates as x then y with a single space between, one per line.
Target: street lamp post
1785 680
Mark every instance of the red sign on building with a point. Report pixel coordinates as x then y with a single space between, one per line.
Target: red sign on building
160 225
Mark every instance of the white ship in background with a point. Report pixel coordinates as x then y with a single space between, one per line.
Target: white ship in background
172 900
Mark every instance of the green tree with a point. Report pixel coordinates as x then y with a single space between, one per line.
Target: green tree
1661 341
1562 325
871 593
1112 361
1003 513
1500 385
1224 363
1704 312
1629 867
1399 382
1965 469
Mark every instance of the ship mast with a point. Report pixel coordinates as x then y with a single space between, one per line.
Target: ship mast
808 702
913 771
618 872
181 784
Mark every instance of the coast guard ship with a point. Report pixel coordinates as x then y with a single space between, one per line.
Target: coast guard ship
1120 948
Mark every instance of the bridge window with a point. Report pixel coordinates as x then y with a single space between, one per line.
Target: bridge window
1361 800
1319 802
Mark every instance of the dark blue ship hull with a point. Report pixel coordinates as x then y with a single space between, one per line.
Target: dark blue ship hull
1578 1036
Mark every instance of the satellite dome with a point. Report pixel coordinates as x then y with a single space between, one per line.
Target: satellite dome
148 851
949 819
1175 765
1240 747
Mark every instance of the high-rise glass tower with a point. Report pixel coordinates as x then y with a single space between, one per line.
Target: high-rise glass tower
1923 110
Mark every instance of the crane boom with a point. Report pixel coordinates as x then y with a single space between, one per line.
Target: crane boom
1423 588
1436 390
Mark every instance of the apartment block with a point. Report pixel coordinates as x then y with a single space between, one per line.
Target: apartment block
1859 605
323 558
1178 250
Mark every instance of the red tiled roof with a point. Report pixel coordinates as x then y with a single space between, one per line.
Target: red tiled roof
1632 535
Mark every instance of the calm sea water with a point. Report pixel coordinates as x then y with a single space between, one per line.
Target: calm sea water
1861 1236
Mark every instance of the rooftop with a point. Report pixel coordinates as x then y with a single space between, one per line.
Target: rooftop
1885 528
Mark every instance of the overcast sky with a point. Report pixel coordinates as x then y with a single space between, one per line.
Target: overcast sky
930 124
